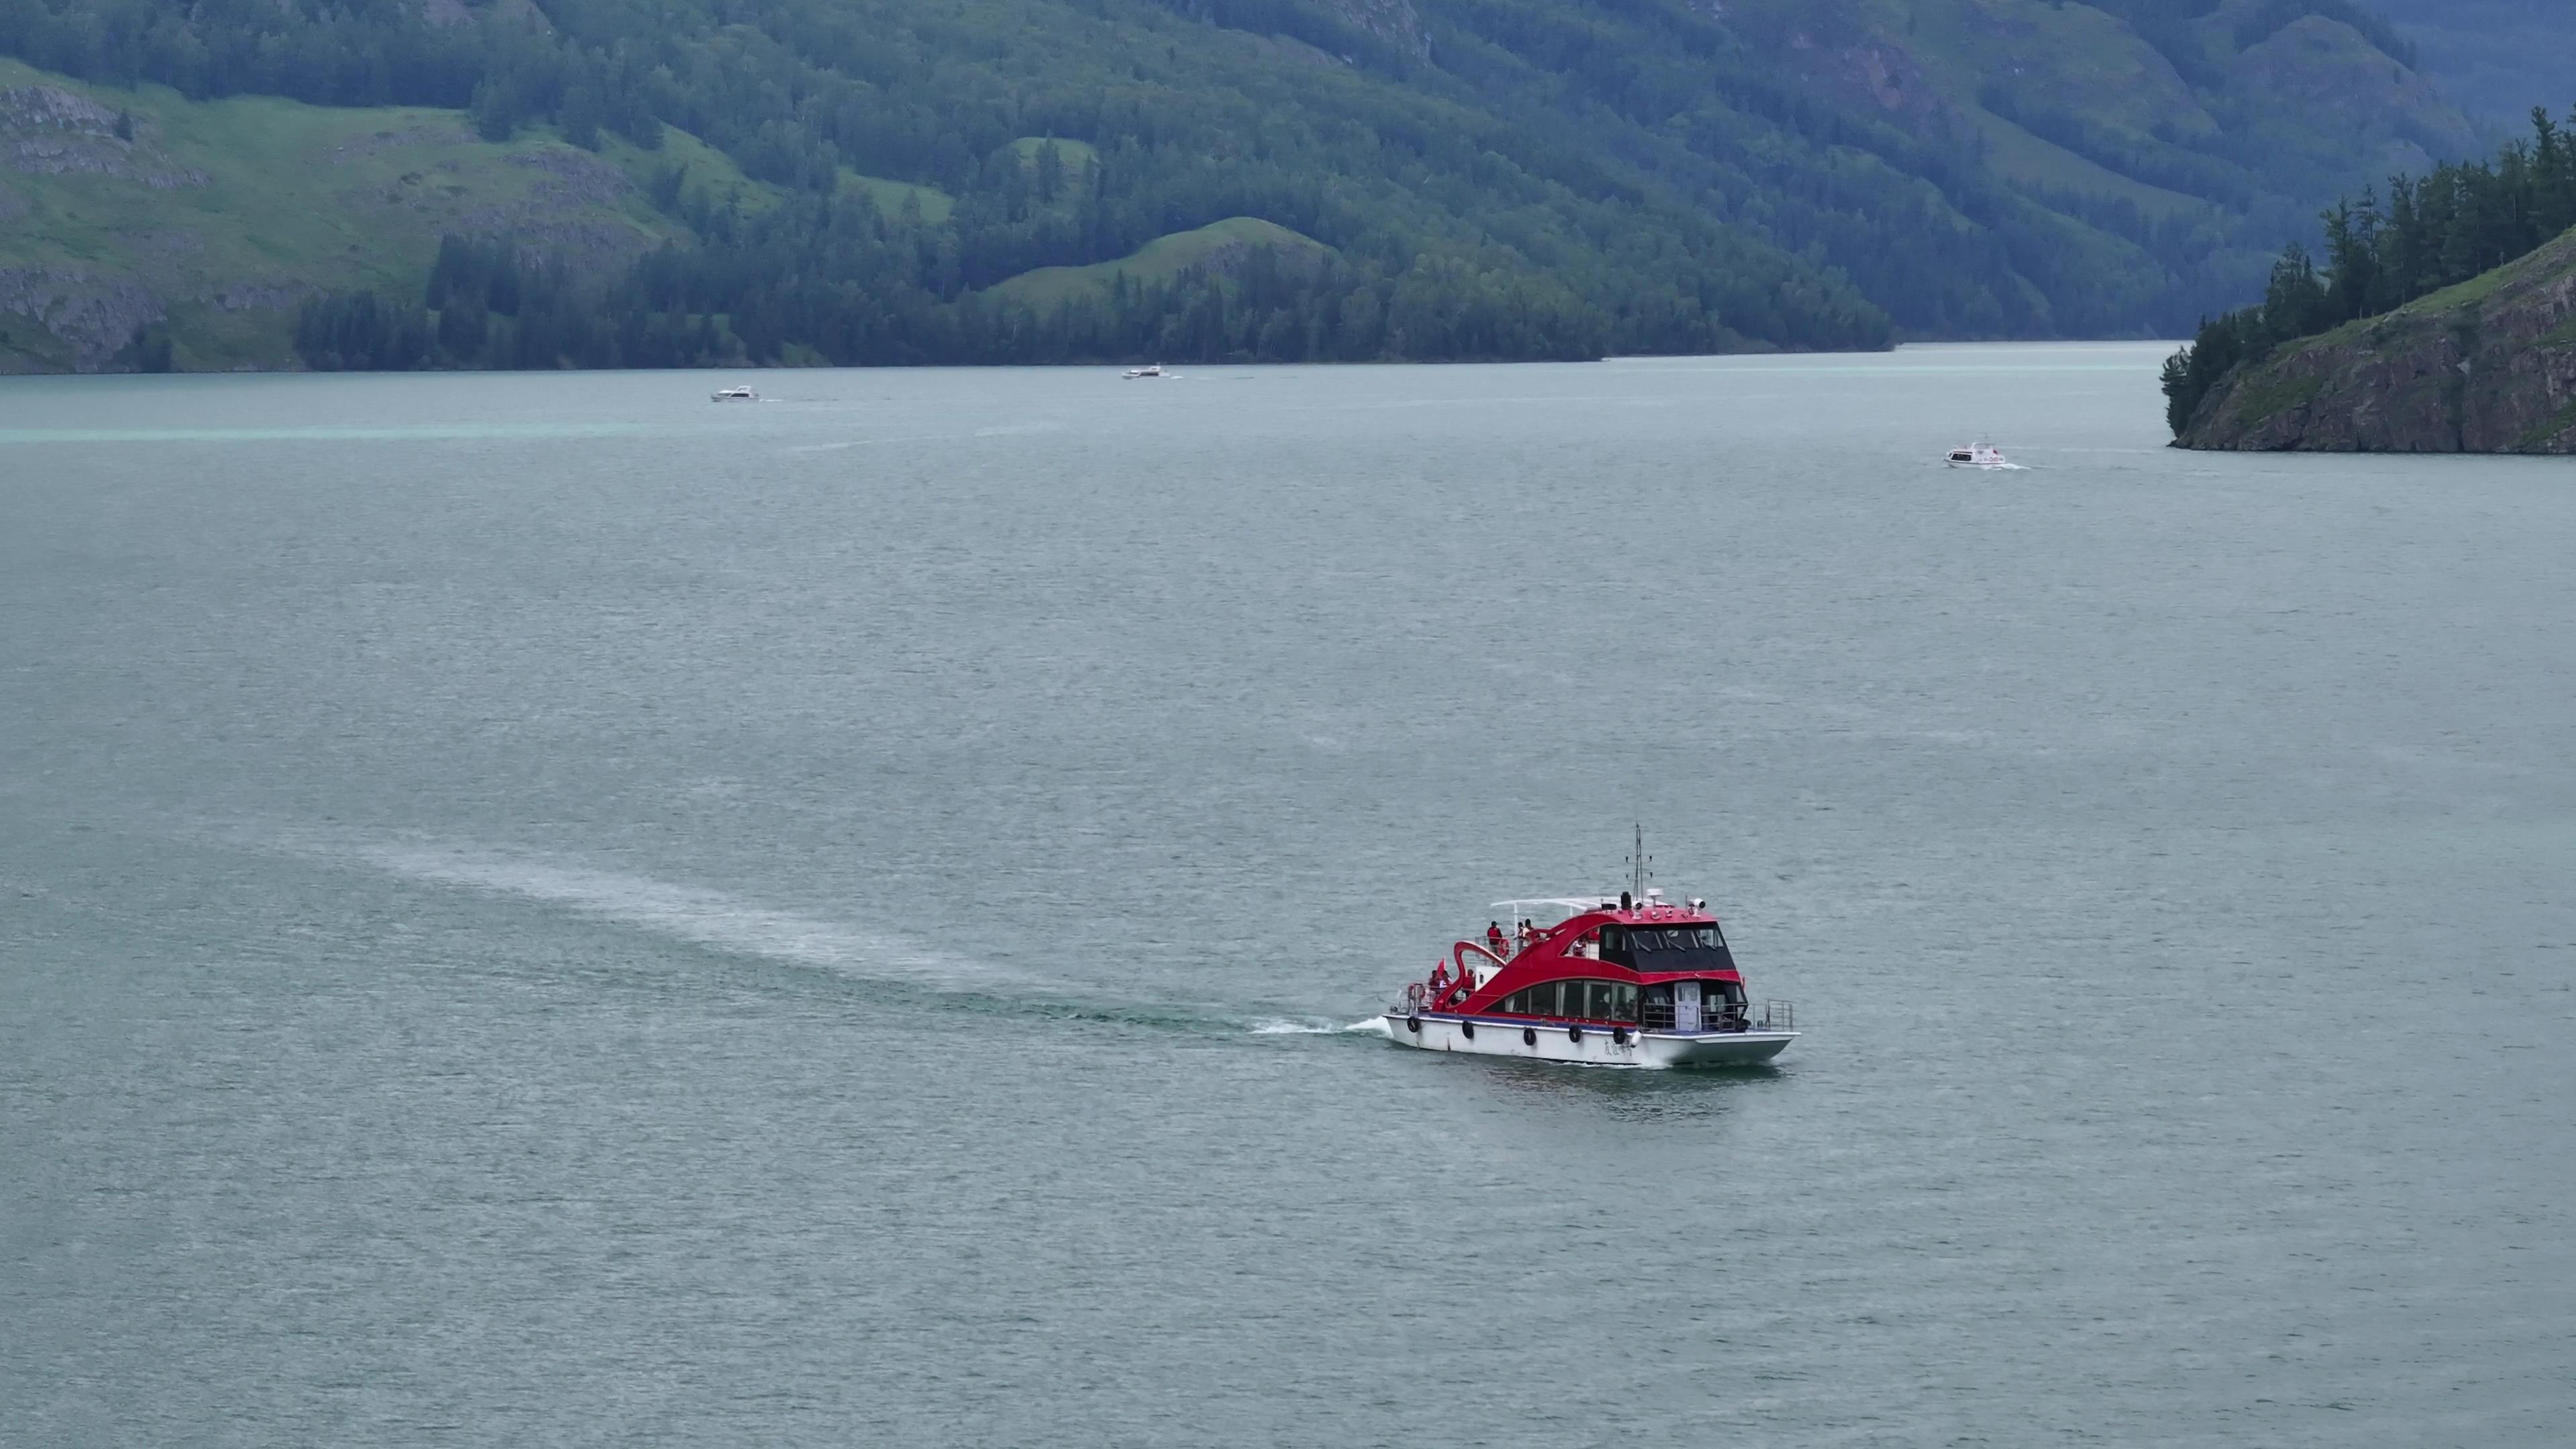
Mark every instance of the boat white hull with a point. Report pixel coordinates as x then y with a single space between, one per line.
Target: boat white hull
1504 1037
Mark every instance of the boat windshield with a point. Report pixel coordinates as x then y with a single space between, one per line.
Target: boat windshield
1678 948
1544 911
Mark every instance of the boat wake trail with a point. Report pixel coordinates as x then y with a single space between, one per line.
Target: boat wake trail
705 918
1369 1026
715 921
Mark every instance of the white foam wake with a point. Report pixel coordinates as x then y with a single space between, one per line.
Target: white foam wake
1308 1028
707 918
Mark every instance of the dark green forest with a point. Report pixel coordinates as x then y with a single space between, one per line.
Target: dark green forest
2432 232
1433 209
497 304
1517 178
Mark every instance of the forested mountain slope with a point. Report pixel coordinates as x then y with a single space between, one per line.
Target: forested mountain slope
126 219
2488 366
861 180
2439 322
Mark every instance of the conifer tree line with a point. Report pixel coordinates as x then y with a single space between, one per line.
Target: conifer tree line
2432 232
840 282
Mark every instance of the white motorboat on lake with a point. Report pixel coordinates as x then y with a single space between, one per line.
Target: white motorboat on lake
1980 455
736 394
1151 369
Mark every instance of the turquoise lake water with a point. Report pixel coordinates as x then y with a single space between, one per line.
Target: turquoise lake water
546 910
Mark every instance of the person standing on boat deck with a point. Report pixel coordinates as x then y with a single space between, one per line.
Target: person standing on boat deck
1494 937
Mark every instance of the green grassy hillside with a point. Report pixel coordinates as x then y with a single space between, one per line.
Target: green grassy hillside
1215 247
127 208
929 202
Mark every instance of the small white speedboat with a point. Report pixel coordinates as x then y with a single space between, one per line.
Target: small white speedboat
736 394
1151 369
1979 455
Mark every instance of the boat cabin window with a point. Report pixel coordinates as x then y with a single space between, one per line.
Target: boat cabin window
1720 1002
1575 1001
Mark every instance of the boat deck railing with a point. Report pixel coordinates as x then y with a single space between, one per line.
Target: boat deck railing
1770 1016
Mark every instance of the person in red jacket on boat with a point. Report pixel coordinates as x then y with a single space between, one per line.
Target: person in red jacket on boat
1494 938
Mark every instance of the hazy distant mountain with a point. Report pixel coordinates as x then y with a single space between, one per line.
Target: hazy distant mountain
2498 57
653 181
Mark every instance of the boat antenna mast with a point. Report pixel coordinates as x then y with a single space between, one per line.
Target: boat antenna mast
1641 866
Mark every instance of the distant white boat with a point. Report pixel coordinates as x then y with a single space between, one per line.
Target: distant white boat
736 394
1151 369
1979 455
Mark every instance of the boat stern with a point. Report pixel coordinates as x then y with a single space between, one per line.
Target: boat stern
1714 1048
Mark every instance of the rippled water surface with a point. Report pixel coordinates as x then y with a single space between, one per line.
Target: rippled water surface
546 910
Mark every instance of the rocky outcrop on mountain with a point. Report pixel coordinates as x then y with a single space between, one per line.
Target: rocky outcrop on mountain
2488 366
1394 21
51 131
1872 74
92 315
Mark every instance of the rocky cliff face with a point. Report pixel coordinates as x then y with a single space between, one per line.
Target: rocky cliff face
2488 366
82 314
1394 21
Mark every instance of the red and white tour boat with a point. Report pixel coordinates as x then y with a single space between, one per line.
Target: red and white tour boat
1626 982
